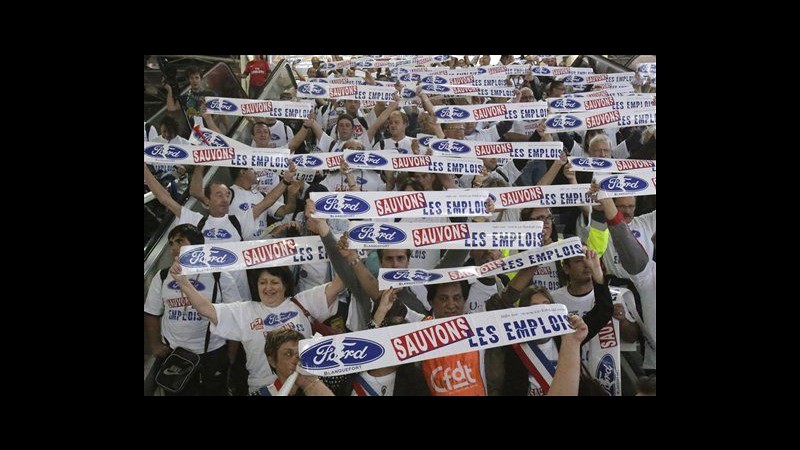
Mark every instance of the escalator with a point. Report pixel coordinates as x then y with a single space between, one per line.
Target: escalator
220 79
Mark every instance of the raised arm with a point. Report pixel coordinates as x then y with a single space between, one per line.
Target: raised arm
161 193
631 254
200 303
196 184
568 371
276 192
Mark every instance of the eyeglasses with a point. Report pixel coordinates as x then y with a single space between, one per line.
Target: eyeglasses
544 218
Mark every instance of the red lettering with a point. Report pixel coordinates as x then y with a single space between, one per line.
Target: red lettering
394 205
269 252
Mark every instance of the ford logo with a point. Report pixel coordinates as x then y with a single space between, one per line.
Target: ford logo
276 319
307 161
218 257
440 58
349 352
410 77
636 234
452 112
409 275
213 139
564 121
565 103
312 89
220 105
541 70
574 79
386 234
165 151
435 88
607 374
327 66
593 163
245 206
450 147
370 159
435 79
197 285
626 183
425 140
408 93
481 71
348 204
217 233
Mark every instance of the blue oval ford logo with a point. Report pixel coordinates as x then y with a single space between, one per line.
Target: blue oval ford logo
217 233
277 319
452 112
410 275
307 161
593 163
220 105
197 285
165 151
574 79
219 257
408 93
435 88
434 79
351 352
349 204
213 140
386 234
565 103
450 147
425 140
636 234
370 159
542 70
607 374
564 121
312 89
626 183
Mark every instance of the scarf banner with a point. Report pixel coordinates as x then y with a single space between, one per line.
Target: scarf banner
276 158
540 360
632 185
334 65
604 93
407 343
491 111
466 91
610 77
538 196
623 86
478 149
566 104
346 91
373 205
587 164
567 248
393 160
467 235
251 254
460 79
600 119
258 108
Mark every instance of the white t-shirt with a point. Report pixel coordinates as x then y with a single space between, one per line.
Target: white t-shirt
281 134
325 141
249 322
181 324
366 180
220 229
382 386
479 293
643 228
403 145
242 205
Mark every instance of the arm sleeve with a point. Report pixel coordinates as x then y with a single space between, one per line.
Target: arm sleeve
154 304
597 317
631 254
343 269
